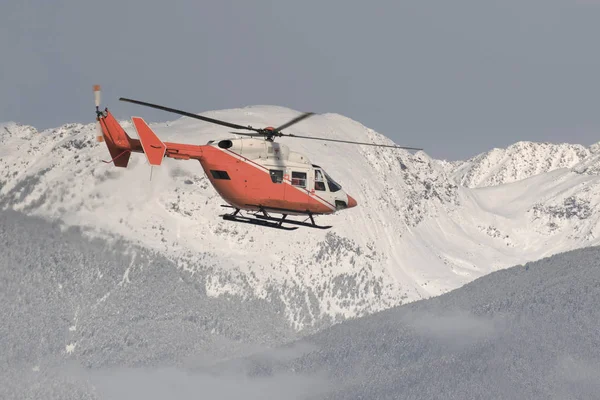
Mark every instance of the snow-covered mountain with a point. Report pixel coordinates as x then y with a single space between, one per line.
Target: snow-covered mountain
519 161
422 227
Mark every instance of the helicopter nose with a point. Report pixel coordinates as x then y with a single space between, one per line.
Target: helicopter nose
351 202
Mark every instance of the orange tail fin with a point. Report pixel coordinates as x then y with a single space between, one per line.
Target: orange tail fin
153 147
119 144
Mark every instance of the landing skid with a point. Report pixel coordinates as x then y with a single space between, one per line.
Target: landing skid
252 221
265 219
289 221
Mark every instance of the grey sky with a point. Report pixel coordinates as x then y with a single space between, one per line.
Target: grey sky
455 77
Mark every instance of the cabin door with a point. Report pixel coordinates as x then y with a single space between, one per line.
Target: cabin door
297 195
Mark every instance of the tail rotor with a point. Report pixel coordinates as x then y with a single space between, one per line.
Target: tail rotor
97 98
109 131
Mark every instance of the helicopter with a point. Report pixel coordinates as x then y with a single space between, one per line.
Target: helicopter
254 175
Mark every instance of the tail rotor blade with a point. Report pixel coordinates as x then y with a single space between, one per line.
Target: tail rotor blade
97 98
97 95
99 135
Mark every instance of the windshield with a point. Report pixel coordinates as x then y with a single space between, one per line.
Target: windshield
333 185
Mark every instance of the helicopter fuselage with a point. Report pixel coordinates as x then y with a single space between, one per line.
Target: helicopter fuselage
251 174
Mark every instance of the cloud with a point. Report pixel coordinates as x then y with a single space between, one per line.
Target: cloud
456 328
175 383
246 378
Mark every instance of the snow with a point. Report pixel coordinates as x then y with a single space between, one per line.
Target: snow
422 226
519 161
70 348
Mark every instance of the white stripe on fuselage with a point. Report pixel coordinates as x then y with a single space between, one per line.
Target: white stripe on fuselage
287 181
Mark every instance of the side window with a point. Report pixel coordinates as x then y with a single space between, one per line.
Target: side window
319 181
299 179
276 175
220 174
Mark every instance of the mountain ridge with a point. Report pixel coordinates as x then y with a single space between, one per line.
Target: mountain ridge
529 331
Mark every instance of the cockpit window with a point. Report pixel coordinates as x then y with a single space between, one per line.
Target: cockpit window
319 180
333 185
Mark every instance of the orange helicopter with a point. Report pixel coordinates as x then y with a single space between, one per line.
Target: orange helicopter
257 176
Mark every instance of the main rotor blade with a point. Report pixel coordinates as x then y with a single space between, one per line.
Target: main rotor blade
187 114
347 141
248 134
294 121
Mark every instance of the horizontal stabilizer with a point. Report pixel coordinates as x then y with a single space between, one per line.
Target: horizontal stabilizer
153 147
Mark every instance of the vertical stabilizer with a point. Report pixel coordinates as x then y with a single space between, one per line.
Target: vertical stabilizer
119 144
153 147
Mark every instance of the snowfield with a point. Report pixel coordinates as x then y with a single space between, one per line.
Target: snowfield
422 226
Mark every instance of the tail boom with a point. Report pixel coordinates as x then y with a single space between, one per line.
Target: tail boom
120 145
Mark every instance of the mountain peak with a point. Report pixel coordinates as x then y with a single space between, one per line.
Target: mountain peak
518 161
